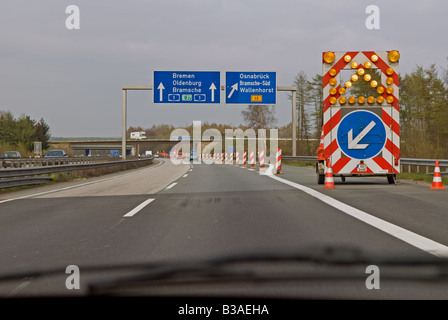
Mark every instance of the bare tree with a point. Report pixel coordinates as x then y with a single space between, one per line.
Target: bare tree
259 116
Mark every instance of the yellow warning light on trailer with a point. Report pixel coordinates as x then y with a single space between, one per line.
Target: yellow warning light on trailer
332 72
380 90
348 84
373 83
333 100
333 91
361 71
390 90
329 57
374 58
389 71
354 65
389 80
368 65
370 99
361 100
354 77
390 99
341 90
333 81
380 99
351 100
367 77
342 100
347 58
393 56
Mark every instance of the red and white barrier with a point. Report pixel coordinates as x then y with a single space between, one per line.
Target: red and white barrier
245 158
252 159
278 162
261 157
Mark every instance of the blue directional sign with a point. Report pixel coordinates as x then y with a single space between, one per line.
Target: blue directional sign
361 134
187 86
247 87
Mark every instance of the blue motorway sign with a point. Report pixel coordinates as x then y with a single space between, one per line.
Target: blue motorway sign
187 86
247 87
361 134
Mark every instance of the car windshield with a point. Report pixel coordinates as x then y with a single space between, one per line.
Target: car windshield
234 149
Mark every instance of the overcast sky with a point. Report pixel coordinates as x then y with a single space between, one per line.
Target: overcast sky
73 78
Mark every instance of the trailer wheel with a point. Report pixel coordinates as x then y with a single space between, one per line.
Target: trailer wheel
320 178
391 178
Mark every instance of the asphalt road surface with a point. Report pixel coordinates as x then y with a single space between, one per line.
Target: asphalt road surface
167 212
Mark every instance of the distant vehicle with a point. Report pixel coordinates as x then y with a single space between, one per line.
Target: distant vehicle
114 153
56 154
11 155
148 153
138 135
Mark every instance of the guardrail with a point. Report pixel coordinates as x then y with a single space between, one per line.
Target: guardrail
40 162
24 176
406 164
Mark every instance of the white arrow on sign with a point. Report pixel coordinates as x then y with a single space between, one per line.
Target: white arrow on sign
213 88
161 88
353 143
234 87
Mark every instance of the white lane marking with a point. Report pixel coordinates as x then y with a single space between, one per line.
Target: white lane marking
171 185
138 208
185 175
82 184
405 235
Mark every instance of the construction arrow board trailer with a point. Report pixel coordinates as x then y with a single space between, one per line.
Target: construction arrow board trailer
361 120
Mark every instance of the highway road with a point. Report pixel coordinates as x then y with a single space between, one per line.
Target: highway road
166 212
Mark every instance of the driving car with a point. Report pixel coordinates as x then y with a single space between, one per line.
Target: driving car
11 155
56 154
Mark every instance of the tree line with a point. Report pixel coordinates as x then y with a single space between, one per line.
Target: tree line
21 133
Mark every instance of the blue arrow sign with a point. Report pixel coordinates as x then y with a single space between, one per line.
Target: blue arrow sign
361 134
244 87
187 86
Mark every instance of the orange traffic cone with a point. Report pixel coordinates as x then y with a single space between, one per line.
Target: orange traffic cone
329 182
437 180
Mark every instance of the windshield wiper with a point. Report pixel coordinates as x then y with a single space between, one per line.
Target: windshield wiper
323 263
262 266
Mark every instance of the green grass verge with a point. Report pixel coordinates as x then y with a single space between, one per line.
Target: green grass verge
299 164
420 176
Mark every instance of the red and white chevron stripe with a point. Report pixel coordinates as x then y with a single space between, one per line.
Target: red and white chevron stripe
387 161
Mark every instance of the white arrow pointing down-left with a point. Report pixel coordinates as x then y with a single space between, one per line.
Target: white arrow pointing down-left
353 143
